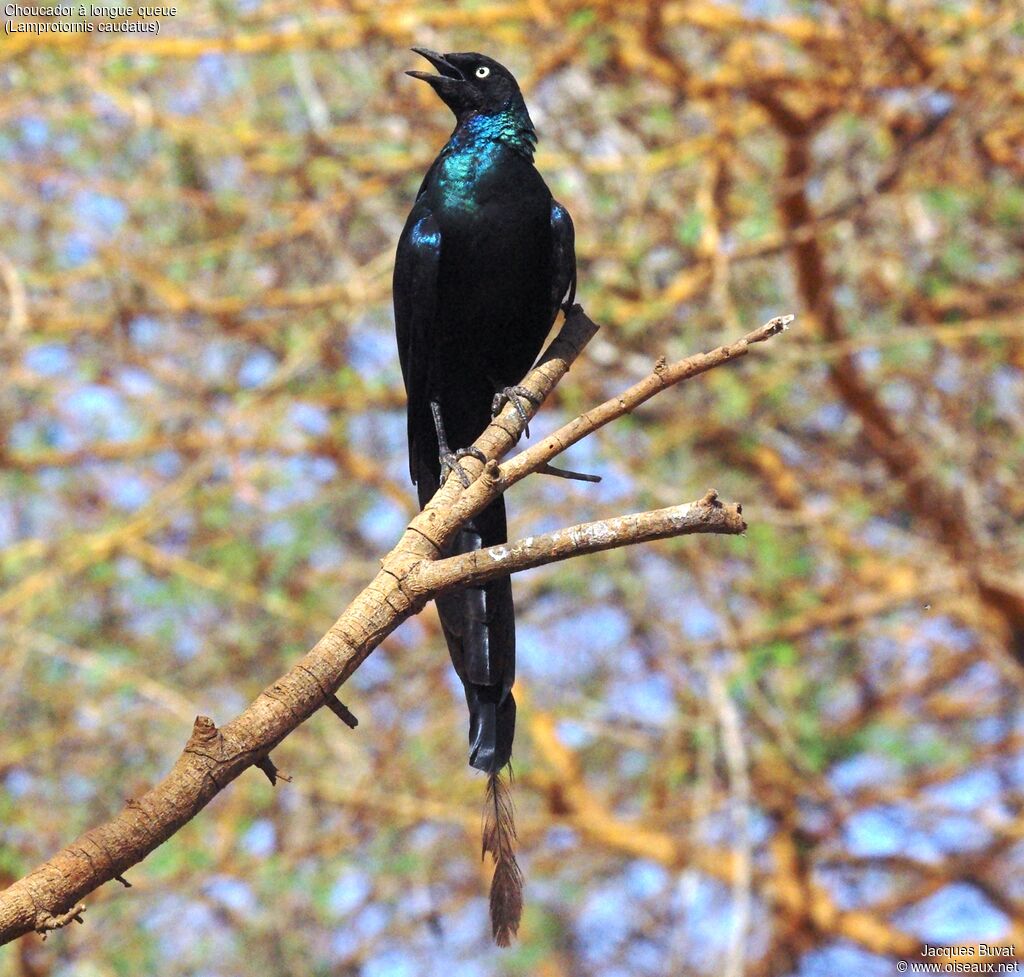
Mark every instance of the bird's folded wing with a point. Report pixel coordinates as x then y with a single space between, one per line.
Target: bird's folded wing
563 259
415 292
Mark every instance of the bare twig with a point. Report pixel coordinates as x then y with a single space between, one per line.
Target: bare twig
341 711
664 375
709 515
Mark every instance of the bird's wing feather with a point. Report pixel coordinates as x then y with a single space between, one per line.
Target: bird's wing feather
415 292
563 259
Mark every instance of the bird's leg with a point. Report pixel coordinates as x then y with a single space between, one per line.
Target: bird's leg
450 459
515 396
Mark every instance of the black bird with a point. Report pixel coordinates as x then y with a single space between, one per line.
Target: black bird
484 263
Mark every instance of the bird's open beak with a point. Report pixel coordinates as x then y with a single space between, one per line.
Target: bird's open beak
449 79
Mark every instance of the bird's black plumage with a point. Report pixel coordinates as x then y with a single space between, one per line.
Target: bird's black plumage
484 263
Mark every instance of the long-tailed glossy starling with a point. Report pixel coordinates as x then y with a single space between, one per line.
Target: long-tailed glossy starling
484 263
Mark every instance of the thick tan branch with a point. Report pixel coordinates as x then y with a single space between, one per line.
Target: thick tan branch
50 896
709 515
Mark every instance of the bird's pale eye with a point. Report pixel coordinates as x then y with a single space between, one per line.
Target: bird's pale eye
483 71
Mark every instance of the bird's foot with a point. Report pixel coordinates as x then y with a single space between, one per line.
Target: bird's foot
515 396
450 462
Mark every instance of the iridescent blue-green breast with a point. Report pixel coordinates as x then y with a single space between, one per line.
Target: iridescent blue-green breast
488 156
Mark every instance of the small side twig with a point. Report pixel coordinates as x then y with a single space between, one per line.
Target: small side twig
567 474
51 922
341 711
270 769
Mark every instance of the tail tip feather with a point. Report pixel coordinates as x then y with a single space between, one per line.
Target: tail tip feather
499 836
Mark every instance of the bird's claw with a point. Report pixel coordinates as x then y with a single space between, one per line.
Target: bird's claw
515 396
450 463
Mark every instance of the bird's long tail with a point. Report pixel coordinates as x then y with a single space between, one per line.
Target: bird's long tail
499 837
479 627
480 630
479 624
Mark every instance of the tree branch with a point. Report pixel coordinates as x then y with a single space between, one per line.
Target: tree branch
410 575
709 515
663 376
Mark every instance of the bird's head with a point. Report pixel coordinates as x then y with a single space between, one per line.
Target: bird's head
471 84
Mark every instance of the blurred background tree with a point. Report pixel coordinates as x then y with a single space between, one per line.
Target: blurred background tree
791 753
